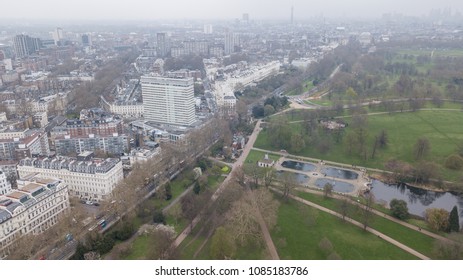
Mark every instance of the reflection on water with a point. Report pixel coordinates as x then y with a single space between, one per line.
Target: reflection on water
296 165
338 186
340 173
418 200
300 178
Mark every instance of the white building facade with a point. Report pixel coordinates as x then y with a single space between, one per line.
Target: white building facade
34 207
168 100
92 180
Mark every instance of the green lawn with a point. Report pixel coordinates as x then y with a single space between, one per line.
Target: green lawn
443 129
139 248
254 156
412 238
296 238
321 102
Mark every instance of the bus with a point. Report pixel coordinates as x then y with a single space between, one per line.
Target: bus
102 224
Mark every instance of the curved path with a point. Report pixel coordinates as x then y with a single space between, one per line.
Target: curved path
376 212
239 162
354 222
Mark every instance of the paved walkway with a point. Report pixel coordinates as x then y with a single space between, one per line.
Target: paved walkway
239 162
356 223
391 218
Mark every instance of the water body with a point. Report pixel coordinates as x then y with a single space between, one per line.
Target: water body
296 165
340 173
418 200
338 186
299 177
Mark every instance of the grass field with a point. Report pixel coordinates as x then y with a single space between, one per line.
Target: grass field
306 86
296 238
443 129
412 238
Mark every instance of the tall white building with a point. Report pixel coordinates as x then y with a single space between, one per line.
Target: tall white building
229 46
32 208
168 100
92 179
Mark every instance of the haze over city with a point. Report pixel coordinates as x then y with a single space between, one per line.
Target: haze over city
211 9
231 130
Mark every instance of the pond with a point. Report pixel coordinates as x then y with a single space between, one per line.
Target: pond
296 165
338 186
418 200
300 178
339 173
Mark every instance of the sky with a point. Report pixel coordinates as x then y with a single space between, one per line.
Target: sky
217 9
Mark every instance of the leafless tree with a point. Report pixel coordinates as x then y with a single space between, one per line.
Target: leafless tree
366 215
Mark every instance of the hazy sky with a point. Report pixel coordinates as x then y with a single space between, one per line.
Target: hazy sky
215 9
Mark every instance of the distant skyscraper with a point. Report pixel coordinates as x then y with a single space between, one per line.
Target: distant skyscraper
86 40
58 36
162 44
208 29
25 45
246 18
229 46
168 100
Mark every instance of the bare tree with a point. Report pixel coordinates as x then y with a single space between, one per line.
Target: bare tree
242 220
344 208
366 215
288 184
327 190
422 148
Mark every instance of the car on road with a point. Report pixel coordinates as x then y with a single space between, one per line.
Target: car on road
88 202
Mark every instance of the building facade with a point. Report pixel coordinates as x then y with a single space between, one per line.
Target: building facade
92 179
32 208
168 100
114 144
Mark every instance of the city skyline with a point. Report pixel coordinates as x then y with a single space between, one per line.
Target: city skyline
209 9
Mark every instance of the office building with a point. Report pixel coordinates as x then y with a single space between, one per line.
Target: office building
168 100
162 44
25 45
229 47
114 144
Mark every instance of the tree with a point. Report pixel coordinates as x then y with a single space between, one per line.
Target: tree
450 248
327 190
383 139
366 214
422 148
242 220
454 221
159 218
454 162
222 245
168 192
399 209
424 171
258 111
197 188
437 218
268 110
288 183
190 208
297 143
344 208
160 242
